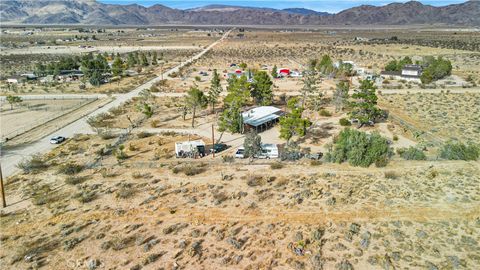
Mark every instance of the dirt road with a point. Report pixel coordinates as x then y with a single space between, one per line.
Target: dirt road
10 158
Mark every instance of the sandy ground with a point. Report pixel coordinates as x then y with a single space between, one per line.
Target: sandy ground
77 49
32 113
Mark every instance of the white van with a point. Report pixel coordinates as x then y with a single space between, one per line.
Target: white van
269 151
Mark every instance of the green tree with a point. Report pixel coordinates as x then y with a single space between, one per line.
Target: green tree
252 144
274 72
243 65
144 59
262 88
310 87
215 90
145 108
325 66
392 66
117 66
359 149
131 61
237 97
154 58
195 99
364 106
340 96
95 69
12 100
292 124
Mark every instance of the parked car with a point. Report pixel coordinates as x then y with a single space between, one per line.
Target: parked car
314 156
240 152
218 147
57 139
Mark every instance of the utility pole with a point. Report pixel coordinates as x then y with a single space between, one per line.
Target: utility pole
213 142
4 203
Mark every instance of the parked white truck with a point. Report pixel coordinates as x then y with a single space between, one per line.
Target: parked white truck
190 149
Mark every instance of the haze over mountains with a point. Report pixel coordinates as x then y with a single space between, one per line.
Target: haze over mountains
91 12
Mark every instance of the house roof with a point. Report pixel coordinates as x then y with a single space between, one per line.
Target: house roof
412 67
261 115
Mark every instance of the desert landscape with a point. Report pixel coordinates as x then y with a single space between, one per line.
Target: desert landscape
239 147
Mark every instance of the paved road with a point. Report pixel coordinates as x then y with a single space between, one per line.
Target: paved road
11 157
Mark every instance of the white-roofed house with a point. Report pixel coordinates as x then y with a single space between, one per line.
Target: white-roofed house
261 118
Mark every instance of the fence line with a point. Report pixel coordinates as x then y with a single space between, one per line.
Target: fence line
44 120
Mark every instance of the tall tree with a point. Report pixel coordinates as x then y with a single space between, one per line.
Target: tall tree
262 88
195 99
364 106
237 97
117 66
292 124
340 96
144 59
252 144
310 87
325 65
274 72
154 58
131 61
215 90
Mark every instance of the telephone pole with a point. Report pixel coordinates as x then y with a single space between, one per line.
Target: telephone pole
213 142
4 203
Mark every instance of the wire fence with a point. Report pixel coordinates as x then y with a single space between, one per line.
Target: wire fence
41 121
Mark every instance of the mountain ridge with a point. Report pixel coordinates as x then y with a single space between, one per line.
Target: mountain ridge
96 13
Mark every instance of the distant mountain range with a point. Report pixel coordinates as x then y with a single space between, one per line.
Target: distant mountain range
91 12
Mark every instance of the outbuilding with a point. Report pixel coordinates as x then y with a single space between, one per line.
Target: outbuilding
284 72
261 118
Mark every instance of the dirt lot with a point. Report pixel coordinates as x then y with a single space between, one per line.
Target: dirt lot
155 211
32 113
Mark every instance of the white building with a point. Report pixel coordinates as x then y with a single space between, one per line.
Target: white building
261 118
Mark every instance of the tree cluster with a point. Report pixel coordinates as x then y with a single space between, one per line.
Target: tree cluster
395 65
359 149
292 124
435 69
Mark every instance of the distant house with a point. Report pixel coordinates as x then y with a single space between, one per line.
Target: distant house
408 72
412 70
261 118
15 79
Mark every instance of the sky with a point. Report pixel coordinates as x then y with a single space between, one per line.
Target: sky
331 6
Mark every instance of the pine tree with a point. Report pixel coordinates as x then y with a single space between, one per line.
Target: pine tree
262 88
292 124
364 108
215 90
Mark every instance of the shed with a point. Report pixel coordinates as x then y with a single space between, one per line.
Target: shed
261 118
284 72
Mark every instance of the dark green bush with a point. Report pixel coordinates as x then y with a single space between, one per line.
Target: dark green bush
360 149
459 151
411 153
344 122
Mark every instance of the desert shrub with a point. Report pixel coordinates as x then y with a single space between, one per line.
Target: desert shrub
254 180
459 151
33 164
125 191
411 153
190 169
70 168
74 180
315 162
228 159
359 149
276 165
86 196
144 134
154 123
395 138
391 175
324 112
344 122
44 194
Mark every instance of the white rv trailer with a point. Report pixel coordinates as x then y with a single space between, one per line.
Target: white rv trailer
190 149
